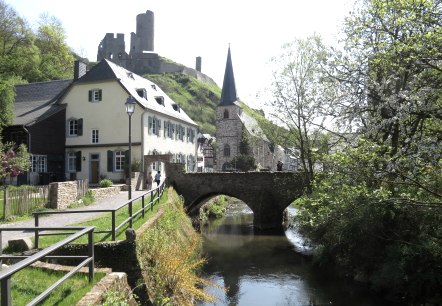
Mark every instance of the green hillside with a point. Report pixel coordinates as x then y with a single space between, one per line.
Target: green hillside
198 99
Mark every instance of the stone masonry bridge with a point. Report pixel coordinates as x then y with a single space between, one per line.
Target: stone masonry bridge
267 194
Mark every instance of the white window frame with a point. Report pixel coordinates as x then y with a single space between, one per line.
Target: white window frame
71 162
119 160
39 163
73 127
95 136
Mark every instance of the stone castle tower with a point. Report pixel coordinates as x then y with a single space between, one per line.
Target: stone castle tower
141 58
229 127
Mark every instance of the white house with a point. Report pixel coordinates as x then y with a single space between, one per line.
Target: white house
97 126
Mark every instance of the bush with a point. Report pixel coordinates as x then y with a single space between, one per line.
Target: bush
105 183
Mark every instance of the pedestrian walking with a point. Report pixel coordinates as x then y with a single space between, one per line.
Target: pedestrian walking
158 178
149 180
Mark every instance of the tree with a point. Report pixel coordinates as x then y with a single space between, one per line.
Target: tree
13 161
376 209
392 73
56 58
18 54
301 97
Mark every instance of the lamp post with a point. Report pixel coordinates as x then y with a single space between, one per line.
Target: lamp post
130 108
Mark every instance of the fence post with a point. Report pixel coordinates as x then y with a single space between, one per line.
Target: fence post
5 203
36 234
90 247
130 213
113 225
142 206
152 203
1 249
6 291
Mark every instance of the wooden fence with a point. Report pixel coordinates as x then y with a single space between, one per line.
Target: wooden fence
22 201
82 188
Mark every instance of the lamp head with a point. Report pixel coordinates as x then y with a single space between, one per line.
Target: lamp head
130 105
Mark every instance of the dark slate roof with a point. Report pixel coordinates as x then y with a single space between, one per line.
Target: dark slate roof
36 101
228 94
100 72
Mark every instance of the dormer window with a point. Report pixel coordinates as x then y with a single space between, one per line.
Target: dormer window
176 107
153 87
142 93
130 75
160 100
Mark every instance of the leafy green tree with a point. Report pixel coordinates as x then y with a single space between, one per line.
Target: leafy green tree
376 209
243 162
301 97
56 58
18 54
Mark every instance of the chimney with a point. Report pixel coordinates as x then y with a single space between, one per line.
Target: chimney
79 69
198 63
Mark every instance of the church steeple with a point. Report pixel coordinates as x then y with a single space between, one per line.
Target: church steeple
228 94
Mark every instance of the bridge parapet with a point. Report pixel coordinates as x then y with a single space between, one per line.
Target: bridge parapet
267 193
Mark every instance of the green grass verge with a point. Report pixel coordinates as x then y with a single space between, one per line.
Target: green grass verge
103 222
29 283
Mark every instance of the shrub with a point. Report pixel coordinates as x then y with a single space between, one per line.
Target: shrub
105 183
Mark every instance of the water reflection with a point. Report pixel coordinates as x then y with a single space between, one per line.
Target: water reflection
267 269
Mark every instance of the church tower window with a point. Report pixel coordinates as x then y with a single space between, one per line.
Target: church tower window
226 150
226 114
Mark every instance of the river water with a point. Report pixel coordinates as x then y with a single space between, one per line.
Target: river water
268 269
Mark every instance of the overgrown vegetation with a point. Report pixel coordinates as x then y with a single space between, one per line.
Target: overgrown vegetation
198 99
215 208
169 254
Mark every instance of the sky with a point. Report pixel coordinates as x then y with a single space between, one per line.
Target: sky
255 30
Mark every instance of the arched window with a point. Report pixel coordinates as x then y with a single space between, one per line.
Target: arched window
226 114
226 150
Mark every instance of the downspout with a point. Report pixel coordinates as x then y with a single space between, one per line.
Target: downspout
28 179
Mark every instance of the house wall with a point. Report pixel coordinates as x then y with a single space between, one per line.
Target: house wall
162 144
110 118
48 138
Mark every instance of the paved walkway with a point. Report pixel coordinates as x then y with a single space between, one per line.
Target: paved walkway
66 219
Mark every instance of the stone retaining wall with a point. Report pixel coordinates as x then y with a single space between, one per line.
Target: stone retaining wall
63 194
102 193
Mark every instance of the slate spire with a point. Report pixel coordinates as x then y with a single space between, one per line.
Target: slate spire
228 94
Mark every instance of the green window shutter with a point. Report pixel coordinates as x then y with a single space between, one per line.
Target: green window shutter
110 161
79 127
159 127
126 160
90 95
100 95
78 161
149 129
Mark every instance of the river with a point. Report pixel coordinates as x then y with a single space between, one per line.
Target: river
269 269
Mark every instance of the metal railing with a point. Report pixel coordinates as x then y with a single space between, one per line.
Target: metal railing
155 195
26 261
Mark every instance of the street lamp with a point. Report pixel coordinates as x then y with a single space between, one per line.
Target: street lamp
130 108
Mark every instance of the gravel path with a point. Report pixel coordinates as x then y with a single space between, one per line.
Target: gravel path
66 219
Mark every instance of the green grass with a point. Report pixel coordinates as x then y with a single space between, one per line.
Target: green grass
103 222
29 283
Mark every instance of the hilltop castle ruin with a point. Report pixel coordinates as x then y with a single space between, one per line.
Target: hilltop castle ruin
141 58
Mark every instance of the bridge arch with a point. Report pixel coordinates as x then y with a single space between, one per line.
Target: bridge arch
267 194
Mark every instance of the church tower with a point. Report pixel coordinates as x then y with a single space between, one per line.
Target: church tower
228 124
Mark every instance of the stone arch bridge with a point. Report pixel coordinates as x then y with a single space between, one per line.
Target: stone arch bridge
267 194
